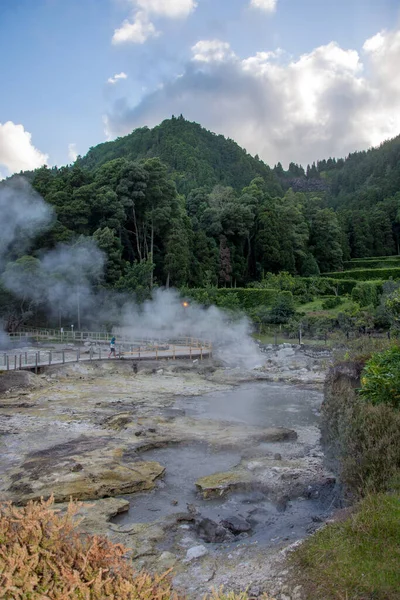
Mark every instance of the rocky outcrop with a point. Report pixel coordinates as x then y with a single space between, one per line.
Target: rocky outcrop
276 478
84 471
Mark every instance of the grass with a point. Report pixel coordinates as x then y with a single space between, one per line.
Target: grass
358 558
315 308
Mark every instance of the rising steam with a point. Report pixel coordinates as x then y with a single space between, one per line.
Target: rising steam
65 283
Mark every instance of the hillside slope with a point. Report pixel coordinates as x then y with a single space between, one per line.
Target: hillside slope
195 156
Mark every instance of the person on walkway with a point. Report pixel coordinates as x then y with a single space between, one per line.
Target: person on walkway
112 348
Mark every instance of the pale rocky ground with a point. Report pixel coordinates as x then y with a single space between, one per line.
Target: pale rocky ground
83 429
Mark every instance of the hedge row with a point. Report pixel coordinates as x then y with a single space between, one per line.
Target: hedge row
369 263
366 274
325 286
247 297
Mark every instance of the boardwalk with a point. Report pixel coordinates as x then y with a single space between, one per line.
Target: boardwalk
94 349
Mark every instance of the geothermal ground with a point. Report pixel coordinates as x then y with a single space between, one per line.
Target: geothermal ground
213 472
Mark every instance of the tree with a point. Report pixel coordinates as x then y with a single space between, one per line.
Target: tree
111 245
325 241
225 266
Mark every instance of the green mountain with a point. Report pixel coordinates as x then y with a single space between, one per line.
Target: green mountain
195 157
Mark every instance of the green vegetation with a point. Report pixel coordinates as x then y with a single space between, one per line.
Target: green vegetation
367 274
179 206
356 558
381 378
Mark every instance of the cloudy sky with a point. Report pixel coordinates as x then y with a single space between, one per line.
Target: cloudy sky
290 80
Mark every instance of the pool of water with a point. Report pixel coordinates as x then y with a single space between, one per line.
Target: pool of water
260 404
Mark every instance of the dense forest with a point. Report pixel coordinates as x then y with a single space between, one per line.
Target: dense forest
179 205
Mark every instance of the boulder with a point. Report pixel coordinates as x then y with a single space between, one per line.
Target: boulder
236 525
211 532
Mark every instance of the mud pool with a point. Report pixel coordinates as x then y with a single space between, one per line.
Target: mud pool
272 518
209 471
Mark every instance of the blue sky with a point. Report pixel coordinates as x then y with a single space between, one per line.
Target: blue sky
201 58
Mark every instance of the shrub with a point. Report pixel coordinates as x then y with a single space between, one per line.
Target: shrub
43 557
367 292
247 297
361 440
283 308
381 378
331 303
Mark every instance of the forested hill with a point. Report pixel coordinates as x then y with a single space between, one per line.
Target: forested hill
194 156
180 205
359 181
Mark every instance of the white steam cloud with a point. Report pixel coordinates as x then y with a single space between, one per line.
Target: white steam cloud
65 283
23 215
164 317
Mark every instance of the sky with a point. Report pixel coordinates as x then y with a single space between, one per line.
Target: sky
289 80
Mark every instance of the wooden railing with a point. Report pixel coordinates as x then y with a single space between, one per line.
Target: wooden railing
143 349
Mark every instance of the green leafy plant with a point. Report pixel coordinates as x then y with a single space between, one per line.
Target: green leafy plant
381 378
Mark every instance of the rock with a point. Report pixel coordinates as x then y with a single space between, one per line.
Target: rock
236 524
254 592
211 532
277 456
102 474
196 552
95 515
220 483
160 371
174 502
119 421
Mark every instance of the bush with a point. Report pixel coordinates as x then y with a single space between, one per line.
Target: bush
361 440
247 297
331 303
381 378
367 292
283 308
43 557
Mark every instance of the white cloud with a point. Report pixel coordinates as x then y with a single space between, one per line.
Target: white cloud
328 102
17 153
266 5
212 51
139 29
117 77
172 9
137 32
72 153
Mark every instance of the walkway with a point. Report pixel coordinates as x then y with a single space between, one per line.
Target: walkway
95 348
